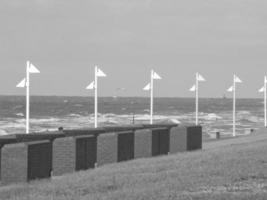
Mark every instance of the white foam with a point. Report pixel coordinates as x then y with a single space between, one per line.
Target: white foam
209 121
175 121
20 114
74 115
243 112
3 132
211 116
46 120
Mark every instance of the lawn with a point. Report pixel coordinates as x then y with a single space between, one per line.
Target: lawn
224 169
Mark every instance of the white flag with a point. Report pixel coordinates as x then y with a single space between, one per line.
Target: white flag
193 88
91 86
262 89
200 78
147 87
22 84
100 73
237 80
231 89
155 76
33 69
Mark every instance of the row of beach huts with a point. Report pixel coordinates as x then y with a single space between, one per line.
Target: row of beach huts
26 157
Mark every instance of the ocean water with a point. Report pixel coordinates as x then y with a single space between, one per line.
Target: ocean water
49 113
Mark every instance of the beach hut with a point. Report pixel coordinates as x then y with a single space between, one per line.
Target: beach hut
22 162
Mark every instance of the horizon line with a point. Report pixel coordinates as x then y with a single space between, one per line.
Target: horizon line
178 97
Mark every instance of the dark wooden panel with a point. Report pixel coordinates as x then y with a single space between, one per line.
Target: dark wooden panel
81 156
85 153
164 139
160 141
91 152
155 142
39 160
125 146
194 138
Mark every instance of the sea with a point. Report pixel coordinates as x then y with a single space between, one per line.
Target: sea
48 113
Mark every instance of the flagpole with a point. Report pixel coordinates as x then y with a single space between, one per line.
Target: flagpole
30 68
234 106
27 98
96 102
196 99
265 103
151 97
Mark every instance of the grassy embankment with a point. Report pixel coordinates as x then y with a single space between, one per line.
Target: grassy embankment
226 169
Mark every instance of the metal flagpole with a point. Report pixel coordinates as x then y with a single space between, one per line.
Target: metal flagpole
96 99
94 86
234 105
30 68
151 96
233 90
195 88
263 89
28 97
196 99
265 103
150 86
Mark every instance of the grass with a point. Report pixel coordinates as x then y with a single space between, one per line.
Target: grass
227 169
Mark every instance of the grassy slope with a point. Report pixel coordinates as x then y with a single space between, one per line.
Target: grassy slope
226 169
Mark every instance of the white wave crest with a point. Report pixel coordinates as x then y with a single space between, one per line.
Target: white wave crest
19 114
211 116
3 132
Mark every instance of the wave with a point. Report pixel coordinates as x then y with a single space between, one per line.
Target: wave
19 114
175 121
3 132
243 112
210 121
252 119
211 116
45 120
74 115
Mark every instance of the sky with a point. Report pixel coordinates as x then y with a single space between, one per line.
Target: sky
65 39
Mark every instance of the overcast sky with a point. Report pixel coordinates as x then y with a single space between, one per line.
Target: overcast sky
126 38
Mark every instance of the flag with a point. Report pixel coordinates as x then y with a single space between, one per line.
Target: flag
200 78
262 89
32 69
155 76
100 73
193 88
231 89
147 87
91 86
237 80
22 84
